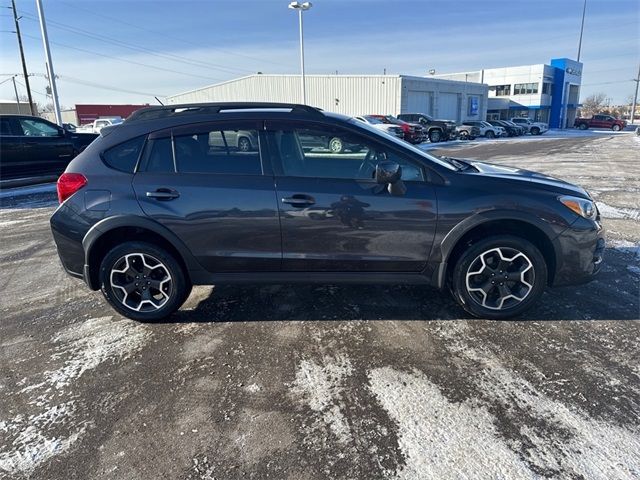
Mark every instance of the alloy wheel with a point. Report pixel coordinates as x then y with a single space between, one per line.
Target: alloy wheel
244 145
141 282
500 278
335 145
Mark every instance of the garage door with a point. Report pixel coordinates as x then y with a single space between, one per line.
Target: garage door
448 108
419 102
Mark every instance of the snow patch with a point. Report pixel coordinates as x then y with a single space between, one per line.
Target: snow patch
577 446
36 438
321 388
439 438
607 211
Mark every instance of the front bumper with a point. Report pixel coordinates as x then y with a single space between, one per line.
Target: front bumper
581 253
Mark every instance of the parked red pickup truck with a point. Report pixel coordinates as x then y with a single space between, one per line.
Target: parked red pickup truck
600 121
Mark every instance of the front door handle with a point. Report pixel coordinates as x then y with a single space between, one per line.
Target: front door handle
299 200
163 194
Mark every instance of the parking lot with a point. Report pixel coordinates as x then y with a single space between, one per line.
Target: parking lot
315 382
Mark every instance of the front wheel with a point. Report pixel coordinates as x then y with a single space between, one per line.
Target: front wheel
499 277
535 131
336 145
142 281
489 134
244 144
615 128
583 126
464 136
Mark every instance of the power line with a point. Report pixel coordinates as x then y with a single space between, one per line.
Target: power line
164 35
133 62
137 48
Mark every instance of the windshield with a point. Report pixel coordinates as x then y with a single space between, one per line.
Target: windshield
394 120
407 146
373 120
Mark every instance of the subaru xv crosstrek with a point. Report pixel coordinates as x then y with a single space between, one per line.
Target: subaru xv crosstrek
172 198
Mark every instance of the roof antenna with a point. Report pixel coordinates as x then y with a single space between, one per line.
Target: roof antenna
159 101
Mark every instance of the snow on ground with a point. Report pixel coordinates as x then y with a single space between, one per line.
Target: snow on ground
320 387
24 191
53 428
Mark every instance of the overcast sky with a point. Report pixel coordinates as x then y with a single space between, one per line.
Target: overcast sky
129 51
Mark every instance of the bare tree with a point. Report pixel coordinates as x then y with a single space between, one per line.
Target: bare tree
593 104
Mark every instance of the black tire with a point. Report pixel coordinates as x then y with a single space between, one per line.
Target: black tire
615 128
176 292
336 145
583 126
536 276
244 144
435 136
489 134
535 131
463 135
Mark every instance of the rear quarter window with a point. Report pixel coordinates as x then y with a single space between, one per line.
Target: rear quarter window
124 157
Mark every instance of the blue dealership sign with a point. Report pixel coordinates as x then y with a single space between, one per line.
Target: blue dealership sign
473 106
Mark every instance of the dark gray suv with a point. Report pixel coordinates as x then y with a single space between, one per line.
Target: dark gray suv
173 198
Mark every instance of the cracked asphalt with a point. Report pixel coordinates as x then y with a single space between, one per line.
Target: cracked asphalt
329 382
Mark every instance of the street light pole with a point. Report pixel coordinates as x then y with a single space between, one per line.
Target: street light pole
50 72
301 7
584 9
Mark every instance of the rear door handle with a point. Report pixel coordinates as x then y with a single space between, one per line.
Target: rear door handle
299 200
163 194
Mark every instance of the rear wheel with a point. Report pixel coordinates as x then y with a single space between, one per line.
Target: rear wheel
615 128
142 281
463 135
535 131
435 136
583 126
499 277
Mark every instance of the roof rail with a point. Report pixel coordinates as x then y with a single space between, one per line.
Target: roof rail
151 113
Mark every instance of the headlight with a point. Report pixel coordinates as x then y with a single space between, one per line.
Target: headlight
583 207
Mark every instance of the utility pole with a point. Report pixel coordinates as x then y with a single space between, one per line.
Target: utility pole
24 63
635 97
584 9
15 89
301 7
50 71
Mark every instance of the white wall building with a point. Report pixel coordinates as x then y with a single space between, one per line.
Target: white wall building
546 93
354 94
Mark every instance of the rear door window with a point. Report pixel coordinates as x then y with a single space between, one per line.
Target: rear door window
229 148
5 127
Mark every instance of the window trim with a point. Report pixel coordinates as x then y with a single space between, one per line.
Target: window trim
278 171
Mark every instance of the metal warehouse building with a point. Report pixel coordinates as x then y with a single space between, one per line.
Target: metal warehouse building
355 94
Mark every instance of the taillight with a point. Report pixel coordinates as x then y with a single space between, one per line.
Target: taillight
70 183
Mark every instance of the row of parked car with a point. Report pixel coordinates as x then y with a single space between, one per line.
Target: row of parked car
419 127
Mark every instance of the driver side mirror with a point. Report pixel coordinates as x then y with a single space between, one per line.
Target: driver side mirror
389 173
61 132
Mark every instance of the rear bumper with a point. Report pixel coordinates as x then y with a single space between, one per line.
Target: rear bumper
581 252
68 240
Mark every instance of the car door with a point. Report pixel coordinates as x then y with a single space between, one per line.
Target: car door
10 148
46 148
333 215
218 200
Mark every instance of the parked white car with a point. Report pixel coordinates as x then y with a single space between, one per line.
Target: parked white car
486 129
534 128
99 124
393 130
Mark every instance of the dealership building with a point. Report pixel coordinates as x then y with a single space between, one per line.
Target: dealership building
547 93
355 94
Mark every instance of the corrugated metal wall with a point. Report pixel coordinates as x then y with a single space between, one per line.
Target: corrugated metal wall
348 94
351 95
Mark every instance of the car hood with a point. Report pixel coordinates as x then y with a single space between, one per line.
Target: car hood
518 174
